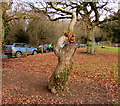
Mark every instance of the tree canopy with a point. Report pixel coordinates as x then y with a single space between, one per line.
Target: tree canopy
88 13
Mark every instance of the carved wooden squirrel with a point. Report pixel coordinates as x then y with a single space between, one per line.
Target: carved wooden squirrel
71 37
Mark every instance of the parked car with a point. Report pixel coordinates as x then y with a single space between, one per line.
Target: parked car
44 48
19 49
82 45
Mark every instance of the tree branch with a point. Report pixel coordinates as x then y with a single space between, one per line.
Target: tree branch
70 29
72 23
55 19
59 9
100 7
106 20
93 7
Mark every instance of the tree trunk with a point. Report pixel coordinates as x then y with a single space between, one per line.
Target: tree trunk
61 74
1 26
1 35
64 50
90 42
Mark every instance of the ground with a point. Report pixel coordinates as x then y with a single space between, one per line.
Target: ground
94 79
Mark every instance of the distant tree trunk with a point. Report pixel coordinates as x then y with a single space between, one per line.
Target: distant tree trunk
1 35
90 41
65 55
1 25
4 6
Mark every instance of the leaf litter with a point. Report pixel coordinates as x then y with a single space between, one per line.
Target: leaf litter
94 80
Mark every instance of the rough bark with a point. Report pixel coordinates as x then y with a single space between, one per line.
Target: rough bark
65 55
1 26
1 34
90 39
90 42
4 6
62 72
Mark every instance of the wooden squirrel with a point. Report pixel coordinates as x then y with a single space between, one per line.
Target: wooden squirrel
71 37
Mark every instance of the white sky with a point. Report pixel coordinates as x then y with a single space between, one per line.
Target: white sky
113 4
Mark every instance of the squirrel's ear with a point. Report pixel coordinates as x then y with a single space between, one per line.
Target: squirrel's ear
73 34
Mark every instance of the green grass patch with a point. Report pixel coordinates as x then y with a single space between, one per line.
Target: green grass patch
108 48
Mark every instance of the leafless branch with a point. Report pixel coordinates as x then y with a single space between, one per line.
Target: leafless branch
59 9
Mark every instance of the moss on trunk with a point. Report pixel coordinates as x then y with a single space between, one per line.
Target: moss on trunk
90 42
62 72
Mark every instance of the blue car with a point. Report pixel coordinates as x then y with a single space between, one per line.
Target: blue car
19 49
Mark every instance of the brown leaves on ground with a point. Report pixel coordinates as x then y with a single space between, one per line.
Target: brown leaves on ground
94 80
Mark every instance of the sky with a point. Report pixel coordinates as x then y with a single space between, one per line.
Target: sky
115 4
112 3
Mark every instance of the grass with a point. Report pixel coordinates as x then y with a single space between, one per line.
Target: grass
108 49
101 67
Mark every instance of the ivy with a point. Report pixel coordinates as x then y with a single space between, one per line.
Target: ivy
6 27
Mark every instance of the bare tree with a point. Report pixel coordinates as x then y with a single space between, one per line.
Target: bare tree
90 12
65 54
87 11
42 30
12 11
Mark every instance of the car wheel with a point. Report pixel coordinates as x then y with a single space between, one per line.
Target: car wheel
34 52
18 54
